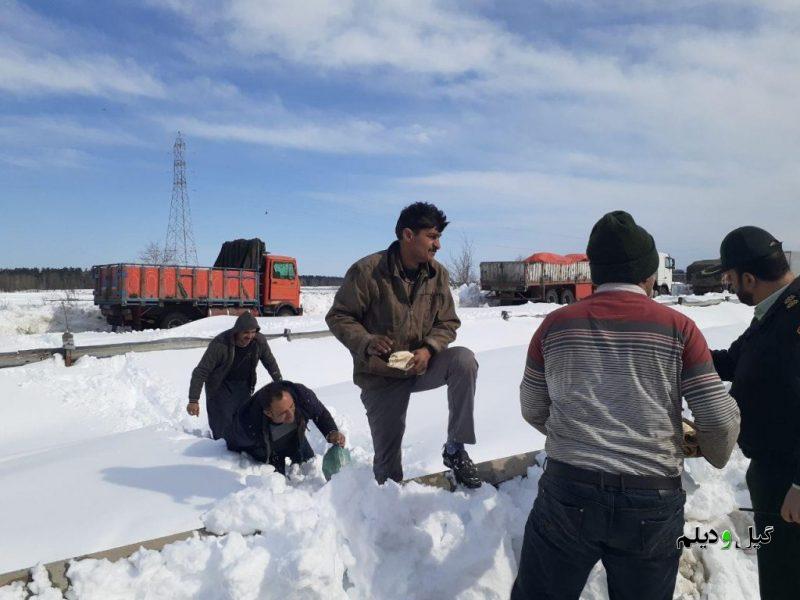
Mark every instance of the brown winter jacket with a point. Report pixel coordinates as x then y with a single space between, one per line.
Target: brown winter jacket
218 359
373 300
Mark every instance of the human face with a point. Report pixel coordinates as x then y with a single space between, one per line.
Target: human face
422 246
743 287
281 410
243 338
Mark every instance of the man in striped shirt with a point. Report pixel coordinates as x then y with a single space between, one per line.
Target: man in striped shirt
604 381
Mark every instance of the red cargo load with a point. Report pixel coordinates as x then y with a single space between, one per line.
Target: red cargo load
555 259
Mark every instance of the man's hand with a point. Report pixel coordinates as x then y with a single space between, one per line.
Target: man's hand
379 344
691 448
790 511
193 408
419 364
336 437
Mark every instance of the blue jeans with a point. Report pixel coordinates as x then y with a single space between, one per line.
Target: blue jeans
573 525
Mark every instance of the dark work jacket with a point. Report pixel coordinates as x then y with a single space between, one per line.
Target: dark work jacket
218 361
764 366
249 429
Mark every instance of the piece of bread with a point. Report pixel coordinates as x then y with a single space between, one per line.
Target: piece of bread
690 447
400 360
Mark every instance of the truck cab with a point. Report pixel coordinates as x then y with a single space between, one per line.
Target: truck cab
666 265
280 286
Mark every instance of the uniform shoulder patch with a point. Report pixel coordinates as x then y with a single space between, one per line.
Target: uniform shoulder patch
791 301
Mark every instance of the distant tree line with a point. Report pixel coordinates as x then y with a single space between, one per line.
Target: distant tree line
310 280
65 278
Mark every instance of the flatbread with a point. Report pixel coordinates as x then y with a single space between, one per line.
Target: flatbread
400 360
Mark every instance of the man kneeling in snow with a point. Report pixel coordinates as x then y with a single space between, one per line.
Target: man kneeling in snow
271 426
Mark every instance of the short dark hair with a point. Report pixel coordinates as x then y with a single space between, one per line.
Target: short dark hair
420 215
767 268
271 392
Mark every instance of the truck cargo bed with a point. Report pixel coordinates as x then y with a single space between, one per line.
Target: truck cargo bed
129 284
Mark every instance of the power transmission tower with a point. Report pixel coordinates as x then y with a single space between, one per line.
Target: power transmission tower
180 247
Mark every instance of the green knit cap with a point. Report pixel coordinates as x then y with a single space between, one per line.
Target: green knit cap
620 251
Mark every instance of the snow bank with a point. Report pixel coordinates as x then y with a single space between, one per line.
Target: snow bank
352 539
348 539
317 300
26 313
469 295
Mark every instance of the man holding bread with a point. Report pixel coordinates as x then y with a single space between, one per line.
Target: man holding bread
395 314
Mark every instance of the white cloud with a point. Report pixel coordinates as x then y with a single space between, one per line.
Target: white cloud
38 57
61 158
351 136
19 130
32 72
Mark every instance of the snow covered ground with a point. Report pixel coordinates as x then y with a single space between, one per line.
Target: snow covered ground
102 454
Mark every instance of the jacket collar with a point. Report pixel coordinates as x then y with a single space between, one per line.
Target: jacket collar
391 262
620 287
792 289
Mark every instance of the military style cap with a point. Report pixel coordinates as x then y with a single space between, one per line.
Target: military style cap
743 246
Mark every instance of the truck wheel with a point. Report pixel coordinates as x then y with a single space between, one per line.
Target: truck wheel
551 296
173 319
665 290
285 311
567 297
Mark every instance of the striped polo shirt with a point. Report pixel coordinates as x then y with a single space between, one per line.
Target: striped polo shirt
604 380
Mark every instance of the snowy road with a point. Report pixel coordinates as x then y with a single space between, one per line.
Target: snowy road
102 454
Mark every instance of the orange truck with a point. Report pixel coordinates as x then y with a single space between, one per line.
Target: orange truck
244 278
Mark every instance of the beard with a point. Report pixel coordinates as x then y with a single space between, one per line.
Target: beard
745 298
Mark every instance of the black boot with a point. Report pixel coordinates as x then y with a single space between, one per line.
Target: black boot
463 468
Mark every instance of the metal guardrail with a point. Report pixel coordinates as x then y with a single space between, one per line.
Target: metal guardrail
24 357
494 472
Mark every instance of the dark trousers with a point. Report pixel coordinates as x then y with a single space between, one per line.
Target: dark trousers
387 407
573 525
223 403
296 451
778 561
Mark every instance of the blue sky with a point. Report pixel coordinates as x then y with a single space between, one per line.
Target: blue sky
525 121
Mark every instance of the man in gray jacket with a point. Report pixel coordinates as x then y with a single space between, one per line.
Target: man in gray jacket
400 300
228 370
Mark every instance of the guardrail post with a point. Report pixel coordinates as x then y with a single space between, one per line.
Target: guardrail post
287 333
68 343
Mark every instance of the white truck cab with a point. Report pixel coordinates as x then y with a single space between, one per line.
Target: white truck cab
666 264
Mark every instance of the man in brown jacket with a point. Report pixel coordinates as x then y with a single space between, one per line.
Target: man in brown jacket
400 300
228 370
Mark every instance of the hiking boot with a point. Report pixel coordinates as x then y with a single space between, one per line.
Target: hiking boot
464 469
